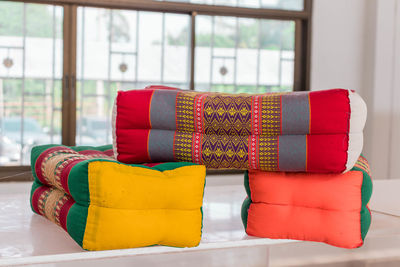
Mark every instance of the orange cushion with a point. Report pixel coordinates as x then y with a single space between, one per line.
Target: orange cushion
315 207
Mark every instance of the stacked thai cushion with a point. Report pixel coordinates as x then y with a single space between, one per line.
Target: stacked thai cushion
330 208
105 204
299 148
318 131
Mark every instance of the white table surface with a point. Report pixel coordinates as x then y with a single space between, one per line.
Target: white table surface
386 196
26 238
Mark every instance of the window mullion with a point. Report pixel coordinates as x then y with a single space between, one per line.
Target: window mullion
298 57
192 48
302 48
69 75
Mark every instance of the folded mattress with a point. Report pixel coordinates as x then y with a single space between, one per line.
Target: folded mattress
319 131
104 204
330 208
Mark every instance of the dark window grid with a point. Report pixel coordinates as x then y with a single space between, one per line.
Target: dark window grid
302 17
22 78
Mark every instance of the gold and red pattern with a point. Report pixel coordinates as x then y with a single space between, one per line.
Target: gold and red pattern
198 111
42 200
271 115
57 209
48 158
214 118
197 148
220 151
185 111
218 114
50 203
254 142
256 115
227 115
54 163
268 146
183 146
213 150
53 172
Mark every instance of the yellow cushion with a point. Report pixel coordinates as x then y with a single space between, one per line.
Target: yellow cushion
134 206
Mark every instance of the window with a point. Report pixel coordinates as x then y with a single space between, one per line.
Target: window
61 65
30 79
277 4
121 50
244 55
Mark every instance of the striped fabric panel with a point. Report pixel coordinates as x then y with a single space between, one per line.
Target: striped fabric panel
52 167
363 164
53 204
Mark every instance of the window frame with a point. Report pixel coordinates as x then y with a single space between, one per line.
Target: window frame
302 50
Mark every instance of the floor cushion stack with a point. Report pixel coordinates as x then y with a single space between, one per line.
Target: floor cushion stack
318 131
305 178
105 204
299 148
330 208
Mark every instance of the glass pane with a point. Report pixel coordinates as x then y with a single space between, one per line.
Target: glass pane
122 50
244 55
30 79
273 4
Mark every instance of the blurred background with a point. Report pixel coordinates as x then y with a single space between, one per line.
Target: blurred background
61 65
122 50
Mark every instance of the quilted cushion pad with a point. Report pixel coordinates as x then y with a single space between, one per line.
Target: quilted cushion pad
319 131
104 204
330 208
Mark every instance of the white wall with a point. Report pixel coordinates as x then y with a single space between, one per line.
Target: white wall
356 45
384 97
337 41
